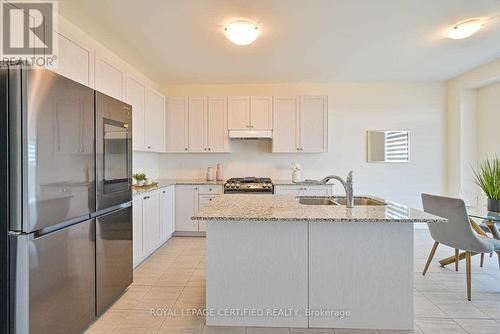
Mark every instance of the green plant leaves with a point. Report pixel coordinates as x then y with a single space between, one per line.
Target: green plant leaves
487 176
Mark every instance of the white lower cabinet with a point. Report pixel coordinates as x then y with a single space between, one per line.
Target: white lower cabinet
151 221
188 200
204 200
299 190
167 213
186 205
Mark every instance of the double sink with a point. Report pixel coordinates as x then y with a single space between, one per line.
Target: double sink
338 200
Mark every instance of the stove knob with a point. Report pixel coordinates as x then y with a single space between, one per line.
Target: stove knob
237 185
232 185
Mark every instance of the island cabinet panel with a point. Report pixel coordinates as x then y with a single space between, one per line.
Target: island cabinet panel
257 265
370 277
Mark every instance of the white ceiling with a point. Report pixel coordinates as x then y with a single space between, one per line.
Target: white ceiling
182 41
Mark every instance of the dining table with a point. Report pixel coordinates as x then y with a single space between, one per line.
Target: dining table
490 219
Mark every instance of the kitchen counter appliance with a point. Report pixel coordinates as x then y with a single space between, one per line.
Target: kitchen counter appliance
249 185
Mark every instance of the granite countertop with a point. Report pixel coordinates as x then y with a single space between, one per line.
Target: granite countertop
162 183
303 183
286 208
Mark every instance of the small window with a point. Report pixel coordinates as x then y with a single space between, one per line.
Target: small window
388 146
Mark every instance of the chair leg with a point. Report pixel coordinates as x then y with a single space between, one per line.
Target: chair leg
491 254
468 274
498 253
431 255
482 260
456 259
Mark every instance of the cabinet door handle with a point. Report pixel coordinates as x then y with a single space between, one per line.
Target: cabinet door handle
185 149
146 197
149 147
209 148
210 200
163 191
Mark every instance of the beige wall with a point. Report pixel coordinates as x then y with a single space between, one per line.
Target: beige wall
462 145
488 121
353 109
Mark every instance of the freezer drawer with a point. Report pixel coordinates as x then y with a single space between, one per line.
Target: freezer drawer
53 281
114 256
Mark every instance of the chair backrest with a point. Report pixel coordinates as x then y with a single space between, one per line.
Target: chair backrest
457 232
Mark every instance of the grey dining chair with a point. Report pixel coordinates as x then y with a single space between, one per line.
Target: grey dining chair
456 233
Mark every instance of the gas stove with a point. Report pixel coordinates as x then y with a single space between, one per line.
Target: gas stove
249 185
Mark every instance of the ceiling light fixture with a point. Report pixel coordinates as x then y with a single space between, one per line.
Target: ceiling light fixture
465 29
241 32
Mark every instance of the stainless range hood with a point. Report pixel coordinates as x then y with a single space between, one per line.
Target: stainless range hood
250 134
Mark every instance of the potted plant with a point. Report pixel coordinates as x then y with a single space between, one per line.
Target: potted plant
140 178
487 177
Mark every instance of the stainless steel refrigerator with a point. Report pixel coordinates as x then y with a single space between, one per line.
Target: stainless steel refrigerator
65 192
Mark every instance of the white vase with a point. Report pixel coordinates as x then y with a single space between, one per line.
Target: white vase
210 174
296 176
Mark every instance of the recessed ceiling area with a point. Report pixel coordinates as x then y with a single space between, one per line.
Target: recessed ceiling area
183 42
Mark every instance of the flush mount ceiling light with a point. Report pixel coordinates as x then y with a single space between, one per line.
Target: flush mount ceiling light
465 29
241 32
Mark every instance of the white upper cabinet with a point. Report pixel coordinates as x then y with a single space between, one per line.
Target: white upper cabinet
177 124
74 59
155 121
285 131
238 112
261 113
136 97
109 75
300 124
250 113
313 124
197 124
217 136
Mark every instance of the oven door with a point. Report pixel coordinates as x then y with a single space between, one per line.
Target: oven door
113 152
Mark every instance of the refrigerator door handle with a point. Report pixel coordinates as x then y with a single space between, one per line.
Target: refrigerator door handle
111 209
55 228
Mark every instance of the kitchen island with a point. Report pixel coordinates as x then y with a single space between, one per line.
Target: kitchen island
274 262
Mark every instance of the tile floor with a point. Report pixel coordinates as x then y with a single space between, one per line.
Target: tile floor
174 278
